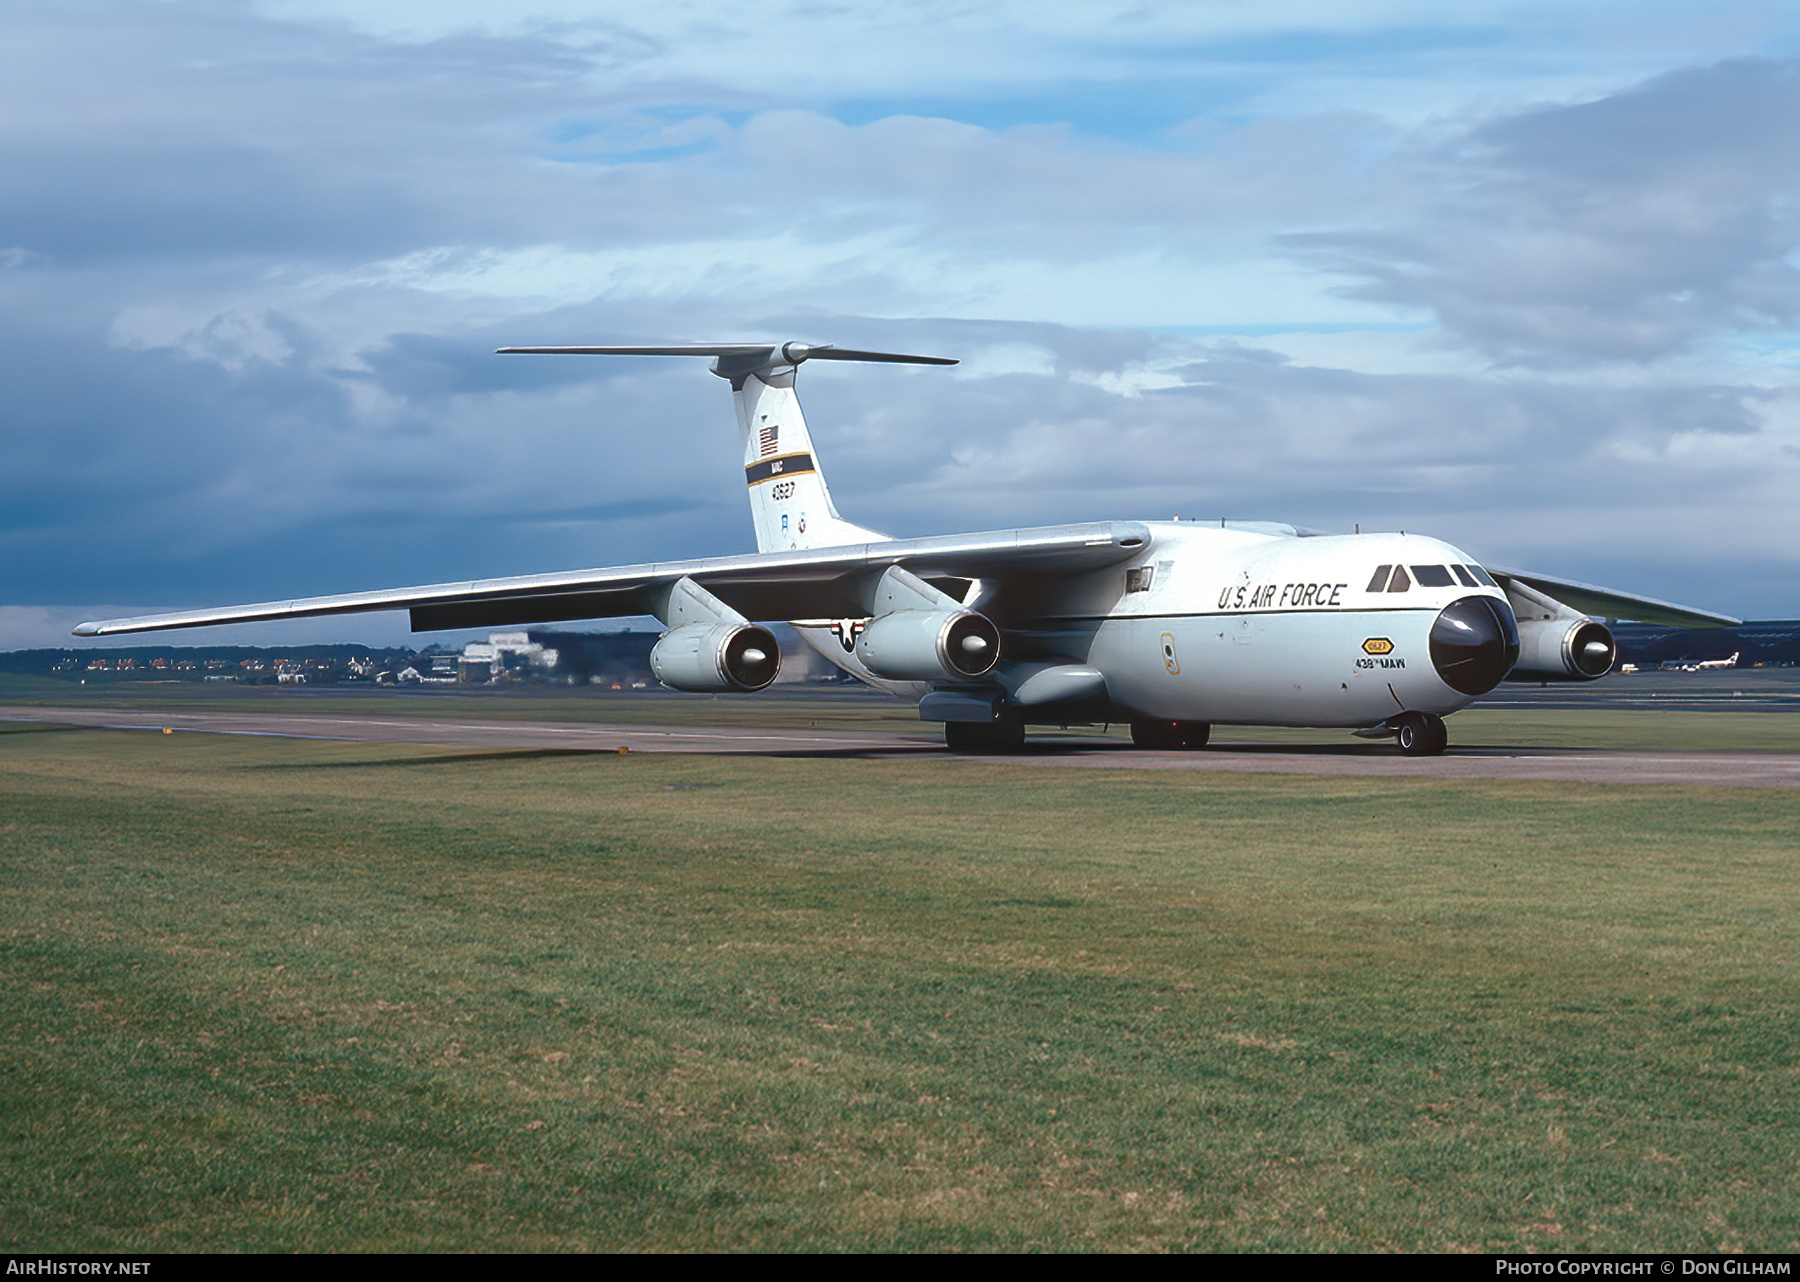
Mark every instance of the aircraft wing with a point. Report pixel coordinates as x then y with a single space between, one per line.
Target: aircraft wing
1605 603
818 583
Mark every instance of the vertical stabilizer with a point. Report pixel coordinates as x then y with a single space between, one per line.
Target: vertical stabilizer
789 504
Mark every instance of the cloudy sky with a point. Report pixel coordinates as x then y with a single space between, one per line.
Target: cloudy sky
1523 276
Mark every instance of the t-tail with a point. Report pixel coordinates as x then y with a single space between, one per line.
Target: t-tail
790 503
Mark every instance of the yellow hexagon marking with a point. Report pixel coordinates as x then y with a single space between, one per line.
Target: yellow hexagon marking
1378 645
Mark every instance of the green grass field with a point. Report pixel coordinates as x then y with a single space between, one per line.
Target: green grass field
286 995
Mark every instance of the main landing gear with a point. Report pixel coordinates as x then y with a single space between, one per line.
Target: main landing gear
1420 734
1170 734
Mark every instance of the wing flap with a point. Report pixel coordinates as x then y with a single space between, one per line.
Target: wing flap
1605 603
508 612
815 583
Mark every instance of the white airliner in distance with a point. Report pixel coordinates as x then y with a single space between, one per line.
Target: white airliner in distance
1172 626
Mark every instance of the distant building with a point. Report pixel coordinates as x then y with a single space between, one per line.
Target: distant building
505 657
1759 643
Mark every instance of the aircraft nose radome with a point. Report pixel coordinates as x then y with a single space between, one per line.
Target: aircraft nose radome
1474 644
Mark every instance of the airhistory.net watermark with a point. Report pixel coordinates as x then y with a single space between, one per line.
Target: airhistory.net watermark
49 1268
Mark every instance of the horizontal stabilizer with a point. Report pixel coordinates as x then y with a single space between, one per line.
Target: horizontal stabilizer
750 355
1605 603
798 351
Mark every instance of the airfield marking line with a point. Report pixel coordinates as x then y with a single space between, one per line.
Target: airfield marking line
158 725
1651 761
1596 755
257 734
543 727
1762 769
199 722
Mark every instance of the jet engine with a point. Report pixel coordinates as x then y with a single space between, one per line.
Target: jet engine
1563 649
716 658
930 645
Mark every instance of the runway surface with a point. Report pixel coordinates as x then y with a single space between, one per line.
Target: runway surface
1733 769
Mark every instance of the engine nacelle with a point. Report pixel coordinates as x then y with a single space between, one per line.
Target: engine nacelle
716 658
1563 650
930 645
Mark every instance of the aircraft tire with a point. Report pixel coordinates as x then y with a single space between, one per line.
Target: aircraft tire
1155 735
1419 734
1005 735
1159 736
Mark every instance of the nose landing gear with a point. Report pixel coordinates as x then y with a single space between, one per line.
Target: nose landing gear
1420 734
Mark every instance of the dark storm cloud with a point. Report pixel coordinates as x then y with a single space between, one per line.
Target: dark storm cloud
123 468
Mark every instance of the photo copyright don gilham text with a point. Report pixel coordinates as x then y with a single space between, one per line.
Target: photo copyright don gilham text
1665 1267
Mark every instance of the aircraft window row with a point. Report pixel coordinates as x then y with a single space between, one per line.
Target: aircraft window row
1139 580
1394 578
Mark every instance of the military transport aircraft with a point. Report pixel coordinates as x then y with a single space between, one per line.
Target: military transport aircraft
1172 626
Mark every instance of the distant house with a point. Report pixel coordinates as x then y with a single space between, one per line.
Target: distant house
505 657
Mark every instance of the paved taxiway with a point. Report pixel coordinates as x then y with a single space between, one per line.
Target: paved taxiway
1734 769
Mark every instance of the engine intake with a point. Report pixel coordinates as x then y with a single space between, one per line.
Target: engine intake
930 645
716 658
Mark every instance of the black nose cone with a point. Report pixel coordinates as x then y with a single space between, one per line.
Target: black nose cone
1474 644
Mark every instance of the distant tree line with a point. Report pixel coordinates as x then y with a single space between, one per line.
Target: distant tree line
582 658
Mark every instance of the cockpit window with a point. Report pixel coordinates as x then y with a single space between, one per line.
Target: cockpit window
1468 580
1379 582
1400 582
1483 577
1433 576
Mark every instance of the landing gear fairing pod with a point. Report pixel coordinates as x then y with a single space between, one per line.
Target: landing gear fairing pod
1171 627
